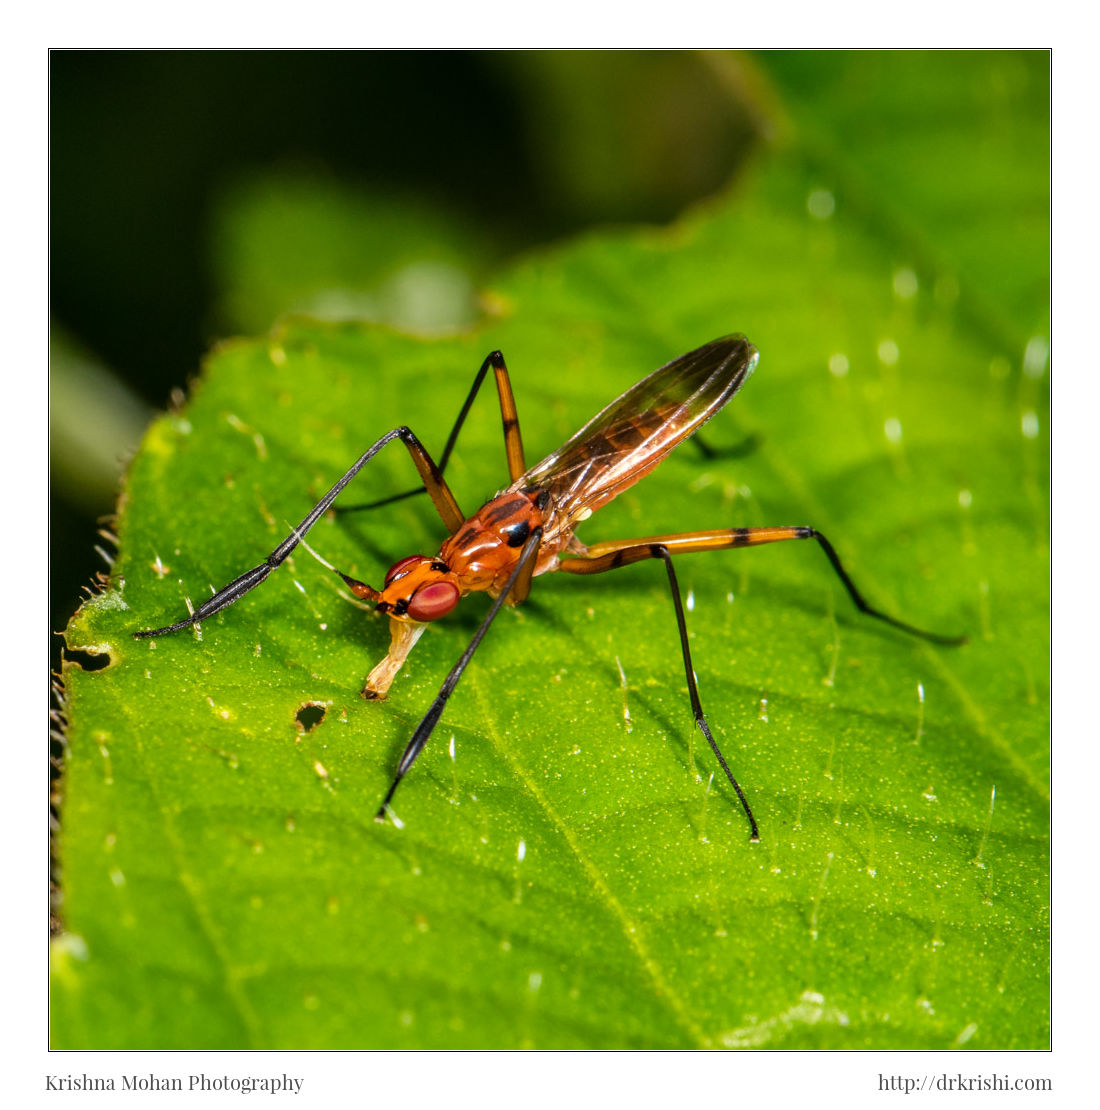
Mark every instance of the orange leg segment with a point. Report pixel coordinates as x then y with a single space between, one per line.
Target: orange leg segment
619 553
513 442
601 557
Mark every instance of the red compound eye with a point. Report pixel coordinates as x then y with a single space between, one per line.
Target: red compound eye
401 567
431 602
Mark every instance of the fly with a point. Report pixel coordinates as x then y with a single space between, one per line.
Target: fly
529 528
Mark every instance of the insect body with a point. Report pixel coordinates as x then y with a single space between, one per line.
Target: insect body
528 529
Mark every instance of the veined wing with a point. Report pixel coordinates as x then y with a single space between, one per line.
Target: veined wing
635 432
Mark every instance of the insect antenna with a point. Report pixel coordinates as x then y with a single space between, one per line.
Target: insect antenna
360 589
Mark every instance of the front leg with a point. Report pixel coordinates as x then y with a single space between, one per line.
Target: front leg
430 475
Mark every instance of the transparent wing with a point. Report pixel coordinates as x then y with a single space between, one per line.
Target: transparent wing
635 432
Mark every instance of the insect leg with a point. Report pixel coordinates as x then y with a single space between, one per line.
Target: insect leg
430 475
431 718
617 553
513 445
513 442
659 549
735 451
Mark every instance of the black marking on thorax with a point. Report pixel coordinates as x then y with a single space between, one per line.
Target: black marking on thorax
517 533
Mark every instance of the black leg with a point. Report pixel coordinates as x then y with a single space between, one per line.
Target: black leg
430 475
661 552
512 442
861 603
424 730
610 556
737 451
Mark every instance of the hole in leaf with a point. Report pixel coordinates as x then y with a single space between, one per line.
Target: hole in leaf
88 660
310 714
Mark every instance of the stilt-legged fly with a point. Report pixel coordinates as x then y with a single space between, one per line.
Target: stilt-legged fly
528 528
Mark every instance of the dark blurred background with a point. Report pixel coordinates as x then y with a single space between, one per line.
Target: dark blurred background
196 195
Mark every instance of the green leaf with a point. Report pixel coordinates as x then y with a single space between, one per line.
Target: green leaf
570 876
